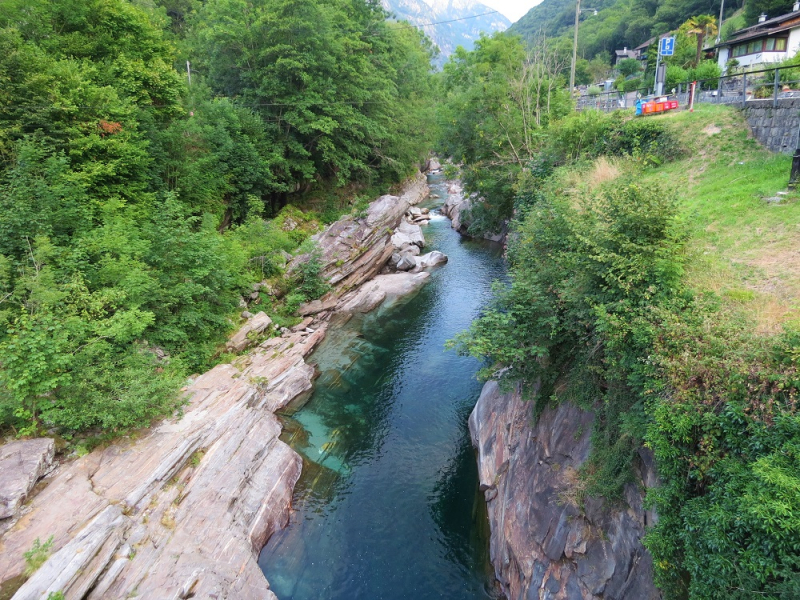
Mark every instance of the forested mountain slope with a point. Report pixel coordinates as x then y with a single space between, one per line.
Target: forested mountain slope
621 23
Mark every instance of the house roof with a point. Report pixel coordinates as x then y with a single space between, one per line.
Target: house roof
767 28
627 53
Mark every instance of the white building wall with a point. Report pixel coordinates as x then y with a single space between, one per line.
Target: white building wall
722 57
761 58
793 45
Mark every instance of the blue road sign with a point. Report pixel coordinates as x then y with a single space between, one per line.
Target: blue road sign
667 46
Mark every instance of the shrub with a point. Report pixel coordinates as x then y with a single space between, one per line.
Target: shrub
647 141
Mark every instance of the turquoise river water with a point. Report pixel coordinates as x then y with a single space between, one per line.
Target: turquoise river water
388 506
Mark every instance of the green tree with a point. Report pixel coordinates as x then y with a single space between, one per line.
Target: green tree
498 99
629 66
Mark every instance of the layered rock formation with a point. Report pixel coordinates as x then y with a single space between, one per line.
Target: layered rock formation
355 249
456 206
22 464
548 541
183 511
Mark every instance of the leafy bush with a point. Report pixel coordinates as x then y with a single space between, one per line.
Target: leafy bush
580 134
708 72
633 84
647 141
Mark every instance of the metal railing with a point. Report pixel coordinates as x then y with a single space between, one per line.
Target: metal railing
739 88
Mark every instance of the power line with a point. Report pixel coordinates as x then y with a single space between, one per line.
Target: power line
491 12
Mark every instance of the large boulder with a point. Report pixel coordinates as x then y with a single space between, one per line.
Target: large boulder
22 464
249 332
408 233
431 259
545 542
406 262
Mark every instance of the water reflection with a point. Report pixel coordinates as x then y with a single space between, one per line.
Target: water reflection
387 504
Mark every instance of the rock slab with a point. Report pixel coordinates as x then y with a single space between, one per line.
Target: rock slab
183 511
22 464
543 544
355 249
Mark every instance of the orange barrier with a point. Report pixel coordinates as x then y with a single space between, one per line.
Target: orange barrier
657 107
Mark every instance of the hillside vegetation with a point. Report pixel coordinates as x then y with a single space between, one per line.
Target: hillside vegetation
654 284
136 208
629 23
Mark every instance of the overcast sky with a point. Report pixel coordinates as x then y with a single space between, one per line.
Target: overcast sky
513 9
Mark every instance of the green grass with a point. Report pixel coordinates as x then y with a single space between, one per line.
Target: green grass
741 246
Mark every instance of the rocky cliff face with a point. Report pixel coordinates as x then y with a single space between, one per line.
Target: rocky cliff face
182 511
546 543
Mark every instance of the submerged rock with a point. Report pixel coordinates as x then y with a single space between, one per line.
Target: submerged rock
544 544
373 294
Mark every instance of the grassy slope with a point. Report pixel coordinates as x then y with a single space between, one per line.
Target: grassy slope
742 247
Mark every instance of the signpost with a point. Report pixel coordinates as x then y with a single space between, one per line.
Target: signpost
666 47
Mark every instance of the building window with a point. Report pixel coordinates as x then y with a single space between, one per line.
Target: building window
762 45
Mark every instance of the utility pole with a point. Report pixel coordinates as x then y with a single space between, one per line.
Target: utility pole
719 24
189 72
574 48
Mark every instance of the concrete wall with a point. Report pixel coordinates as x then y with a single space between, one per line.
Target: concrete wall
775 128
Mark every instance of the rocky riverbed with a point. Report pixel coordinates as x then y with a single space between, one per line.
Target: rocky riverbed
183 510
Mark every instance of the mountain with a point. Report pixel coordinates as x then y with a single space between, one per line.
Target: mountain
618 23
459 31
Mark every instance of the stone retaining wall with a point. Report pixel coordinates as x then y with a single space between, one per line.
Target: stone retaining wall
775 127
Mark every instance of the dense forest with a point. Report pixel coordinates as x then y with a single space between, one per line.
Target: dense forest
139 201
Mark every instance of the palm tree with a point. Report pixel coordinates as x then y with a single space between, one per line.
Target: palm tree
702 26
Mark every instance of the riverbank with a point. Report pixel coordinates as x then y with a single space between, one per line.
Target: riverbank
652 303
183 510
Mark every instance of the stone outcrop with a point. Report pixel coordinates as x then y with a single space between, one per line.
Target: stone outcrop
545 542
183 511
256 325
22 464
456 206
355 249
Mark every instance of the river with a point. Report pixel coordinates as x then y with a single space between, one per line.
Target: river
388 506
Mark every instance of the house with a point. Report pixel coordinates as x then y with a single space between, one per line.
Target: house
768 41
626 53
